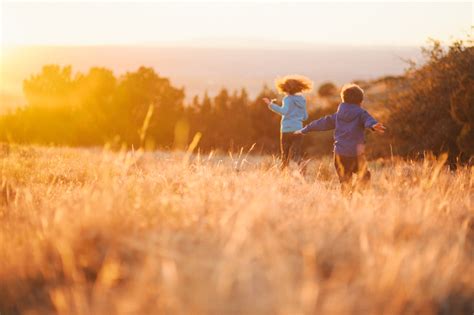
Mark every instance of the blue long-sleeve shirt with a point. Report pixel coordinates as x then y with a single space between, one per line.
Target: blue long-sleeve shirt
349 123
293 112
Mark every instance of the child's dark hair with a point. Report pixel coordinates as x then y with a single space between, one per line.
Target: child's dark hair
352 94
293 84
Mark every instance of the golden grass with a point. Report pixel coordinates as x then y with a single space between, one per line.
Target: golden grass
97 232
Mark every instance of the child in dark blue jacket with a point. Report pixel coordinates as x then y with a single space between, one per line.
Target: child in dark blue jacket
349 122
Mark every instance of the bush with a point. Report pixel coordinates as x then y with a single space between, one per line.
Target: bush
432 110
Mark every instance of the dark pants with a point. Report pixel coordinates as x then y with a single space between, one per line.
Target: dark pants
291 148
346 166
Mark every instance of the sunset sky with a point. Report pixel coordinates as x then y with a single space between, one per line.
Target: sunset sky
204 45
232 23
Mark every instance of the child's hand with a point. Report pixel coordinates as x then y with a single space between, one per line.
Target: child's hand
267 100
298 132
378 127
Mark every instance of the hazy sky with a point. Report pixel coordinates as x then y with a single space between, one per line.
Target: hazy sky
232 23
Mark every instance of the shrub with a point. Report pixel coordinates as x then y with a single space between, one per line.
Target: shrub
432 110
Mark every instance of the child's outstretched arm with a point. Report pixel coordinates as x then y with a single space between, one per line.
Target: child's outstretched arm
326 123
282 110
370 122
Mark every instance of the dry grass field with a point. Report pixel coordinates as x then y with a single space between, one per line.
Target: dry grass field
97 232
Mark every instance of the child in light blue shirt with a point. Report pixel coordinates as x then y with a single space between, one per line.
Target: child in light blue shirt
293 112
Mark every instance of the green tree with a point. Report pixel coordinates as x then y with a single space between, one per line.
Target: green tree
52 103
52 87
95 92
136 92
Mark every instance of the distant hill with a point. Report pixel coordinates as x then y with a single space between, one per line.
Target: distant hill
209 69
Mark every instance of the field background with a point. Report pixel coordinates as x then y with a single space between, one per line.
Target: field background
140 171
90 231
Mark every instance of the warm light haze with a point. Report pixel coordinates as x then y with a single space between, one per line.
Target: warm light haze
232 23
249 157
192 42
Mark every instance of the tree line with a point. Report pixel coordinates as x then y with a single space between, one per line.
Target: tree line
139 109
431 108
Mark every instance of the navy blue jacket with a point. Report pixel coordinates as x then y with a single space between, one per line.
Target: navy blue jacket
349 123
